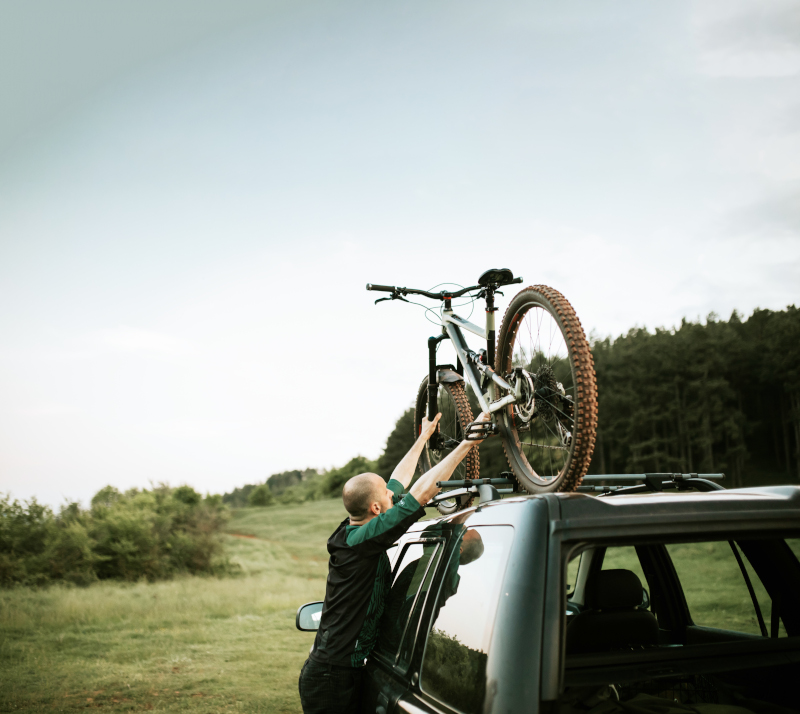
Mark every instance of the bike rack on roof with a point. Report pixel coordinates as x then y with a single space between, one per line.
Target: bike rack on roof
485 488
650 482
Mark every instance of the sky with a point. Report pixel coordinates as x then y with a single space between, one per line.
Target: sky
193 196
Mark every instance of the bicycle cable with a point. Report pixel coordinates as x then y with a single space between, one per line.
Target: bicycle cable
427 309
470 302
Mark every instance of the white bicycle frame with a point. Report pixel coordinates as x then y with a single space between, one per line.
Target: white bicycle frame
452 325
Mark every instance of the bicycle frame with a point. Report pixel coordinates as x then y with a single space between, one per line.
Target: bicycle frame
475 369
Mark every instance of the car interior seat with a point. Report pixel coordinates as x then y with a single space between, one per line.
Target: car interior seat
612 618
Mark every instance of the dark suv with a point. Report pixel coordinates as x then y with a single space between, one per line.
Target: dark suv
573 603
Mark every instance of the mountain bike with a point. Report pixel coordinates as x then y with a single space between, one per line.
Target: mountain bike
538 384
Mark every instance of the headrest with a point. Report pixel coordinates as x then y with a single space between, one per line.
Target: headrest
614 589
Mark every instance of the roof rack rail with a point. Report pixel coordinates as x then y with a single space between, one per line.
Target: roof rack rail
650 482
485 488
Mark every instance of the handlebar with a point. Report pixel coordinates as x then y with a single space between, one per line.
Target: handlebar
444 294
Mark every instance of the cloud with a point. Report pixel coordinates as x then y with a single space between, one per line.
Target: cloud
779 212
748 39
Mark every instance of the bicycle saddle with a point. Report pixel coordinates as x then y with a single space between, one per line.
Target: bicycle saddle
496 277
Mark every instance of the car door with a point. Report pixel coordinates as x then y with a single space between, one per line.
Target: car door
450 657
386 676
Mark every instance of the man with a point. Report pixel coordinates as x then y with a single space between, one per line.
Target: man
359 573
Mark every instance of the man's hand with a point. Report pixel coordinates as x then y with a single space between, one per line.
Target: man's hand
428 428
484 416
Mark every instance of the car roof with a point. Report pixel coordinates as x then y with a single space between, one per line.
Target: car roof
577 515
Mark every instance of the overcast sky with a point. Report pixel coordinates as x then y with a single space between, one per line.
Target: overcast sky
193 195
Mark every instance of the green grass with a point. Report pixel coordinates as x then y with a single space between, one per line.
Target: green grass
208 644
199 644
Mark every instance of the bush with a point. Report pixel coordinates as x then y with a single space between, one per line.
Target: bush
24 536
334 480
139 534
261 496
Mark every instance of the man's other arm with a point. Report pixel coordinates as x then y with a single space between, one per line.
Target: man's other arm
404 471
425 488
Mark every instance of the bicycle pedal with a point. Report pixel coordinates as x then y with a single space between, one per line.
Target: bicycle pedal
480 430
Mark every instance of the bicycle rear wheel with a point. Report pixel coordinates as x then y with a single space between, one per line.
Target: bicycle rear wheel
456 415
548 437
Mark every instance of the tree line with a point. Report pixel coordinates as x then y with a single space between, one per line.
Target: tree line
719 396
704 397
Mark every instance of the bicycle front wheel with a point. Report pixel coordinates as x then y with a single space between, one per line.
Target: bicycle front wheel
549 435
456 415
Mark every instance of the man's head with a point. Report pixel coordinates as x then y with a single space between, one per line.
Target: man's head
471 547
366 496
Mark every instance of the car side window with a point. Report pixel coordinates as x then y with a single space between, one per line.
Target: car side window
457 649
716 591
410 581
626 558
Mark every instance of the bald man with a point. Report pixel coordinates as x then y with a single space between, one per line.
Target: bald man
359 573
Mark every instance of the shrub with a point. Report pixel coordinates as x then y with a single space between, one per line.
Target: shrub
334 480
149 534
261 496
24 535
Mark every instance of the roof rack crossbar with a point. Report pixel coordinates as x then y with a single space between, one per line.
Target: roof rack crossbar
654 483
596 478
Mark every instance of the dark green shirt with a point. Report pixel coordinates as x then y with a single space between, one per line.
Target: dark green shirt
358 581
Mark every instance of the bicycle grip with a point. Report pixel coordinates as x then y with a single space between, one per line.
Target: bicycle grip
517 280
381 288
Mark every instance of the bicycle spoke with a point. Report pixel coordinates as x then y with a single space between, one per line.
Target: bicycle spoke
540 345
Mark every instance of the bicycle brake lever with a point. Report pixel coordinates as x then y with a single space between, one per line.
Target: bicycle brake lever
394 296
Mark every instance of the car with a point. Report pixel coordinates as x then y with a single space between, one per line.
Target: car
671 593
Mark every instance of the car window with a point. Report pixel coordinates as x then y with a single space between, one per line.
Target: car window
794 544
454 663
625 558
425 574
415 568
572 574
715 589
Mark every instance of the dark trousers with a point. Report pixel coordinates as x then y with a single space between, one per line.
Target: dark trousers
329 689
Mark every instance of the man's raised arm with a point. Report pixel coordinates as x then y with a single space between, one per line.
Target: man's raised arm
404 471
425 488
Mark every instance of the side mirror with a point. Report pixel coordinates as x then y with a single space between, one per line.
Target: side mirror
308 617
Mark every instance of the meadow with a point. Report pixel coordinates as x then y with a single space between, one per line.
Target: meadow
193 643
207 644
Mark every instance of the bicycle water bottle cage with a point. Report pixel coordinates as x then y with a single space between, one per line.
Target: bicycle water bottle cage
480 430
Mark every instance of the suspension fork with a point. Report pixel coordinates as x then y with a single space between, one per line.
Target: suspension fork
433 382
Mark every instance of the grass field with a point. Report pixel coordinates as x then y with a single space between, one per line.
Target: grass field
199 644
207 644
